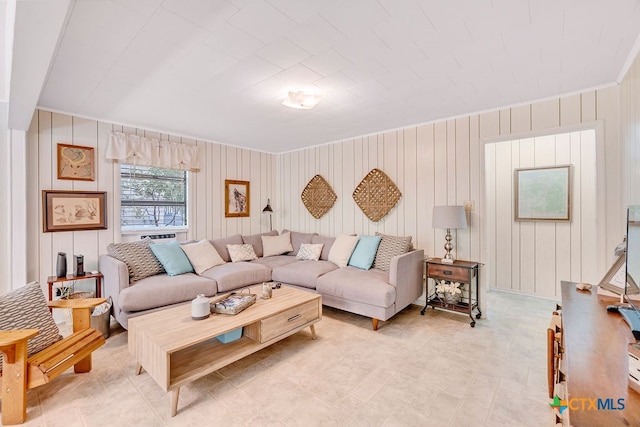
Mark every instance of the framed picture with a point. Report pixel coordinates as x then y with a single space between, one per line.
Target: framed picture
74 210
614 281
76 162
543 194
236 195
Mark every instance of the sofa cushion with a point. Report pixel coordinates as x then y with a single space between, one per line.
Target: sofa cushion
310 251
256 241
365 252
342 249
230 276
350 283
389 247
161 290
26 308
272 262
221 245
302 273
277 245
327 242
297 239
202 255
172 257
140 261
242 252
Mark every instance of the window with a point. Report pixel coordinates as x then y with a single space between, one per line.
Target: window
152 197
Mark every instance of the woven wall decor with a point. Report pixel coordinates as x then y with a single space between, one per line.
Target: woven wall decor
318 197
376 195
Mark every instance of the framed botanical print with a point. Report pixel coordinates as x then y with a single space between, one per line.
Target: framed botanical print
76 162
74 210
236 195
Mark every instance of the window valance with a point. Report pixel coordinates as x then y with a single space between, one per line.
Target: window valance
138 150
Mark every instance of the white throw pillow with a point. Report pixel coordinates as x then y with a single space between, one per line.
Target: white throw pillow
202 255
241 252
342 249
310 251
276 245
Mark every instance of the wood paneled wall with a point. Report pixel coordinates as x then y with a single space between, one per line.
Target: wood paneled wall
206 189
443 163
432 164
527 256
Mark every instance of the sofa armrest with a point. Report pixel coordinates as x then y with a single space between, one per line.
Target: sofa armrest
116 277
406 274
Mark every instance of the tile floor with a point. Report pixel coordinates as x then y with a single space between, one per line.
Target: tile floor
431 370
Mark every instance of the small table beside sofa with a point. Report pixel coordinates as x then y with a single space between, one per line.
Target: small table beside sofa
138 283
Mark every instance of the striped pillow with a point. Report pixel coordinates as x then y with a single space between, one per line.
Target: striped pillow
140 261
389 247
26 308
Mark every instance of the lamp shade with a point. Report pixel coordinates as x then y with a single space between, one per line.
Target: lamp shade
267 209
449 217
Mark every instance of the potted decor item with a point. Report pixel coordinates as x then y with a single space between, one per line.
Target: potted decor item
200 308
449 292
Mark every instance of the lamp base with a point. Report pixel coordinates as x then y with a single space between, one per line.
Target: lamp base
448 256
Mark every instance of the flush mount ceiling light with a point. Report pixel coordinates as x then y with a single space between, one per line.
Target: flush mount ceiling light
301 100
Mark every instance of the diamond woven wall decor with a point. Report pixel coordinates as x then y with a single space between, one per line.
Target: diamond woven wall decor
318 197
376 195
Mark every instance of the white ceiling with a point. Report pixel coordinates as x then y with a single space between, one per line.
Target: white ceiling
219 70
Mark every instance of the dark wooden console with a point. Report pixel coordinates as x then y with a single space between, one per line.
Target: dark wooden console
596 354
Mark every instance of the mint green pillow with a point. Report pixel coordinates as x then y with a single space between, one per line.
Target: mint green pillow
172 258
365 252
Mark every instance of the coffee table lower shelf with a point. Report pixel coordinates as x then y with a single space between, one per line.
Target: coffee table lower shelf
176 358
209 356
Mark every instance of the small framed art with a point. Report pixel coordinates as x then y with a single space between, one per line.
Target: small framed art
74 210
614 281
236 195
543 194
76 162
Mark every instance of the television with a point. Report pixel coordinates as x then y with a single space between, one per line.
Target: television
631 314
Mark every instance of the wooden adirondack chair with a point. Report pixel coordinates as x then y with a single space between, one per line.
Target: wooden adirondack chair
21 372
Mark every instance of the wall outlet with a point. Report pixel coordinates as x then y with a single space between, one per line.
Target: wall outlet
468 205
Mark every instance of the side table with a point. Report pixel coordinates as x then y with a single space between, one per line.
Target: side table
69 278
463 272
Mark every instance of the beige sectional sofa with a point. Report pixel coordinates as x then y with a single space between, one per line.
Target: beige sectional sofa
372 293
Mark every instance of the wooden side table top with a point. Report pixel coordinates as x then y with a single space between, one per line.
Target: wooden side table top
71 277
456 263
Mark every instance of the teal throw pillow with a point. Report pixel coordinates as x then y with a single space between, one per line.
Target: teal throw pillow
172 258
365 252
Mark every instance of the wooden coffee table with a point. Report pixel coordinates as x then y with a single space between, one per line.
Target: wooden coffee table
176 350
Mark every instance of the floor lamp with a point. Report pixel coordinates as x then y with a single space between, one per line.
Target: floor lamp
449 217
267 210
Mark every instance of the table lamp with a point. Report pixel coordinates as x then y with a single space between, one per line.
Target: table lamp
449 217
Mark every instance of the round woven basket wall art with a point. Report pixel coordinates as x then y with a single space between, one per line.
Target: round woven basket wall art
376 195
318 197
